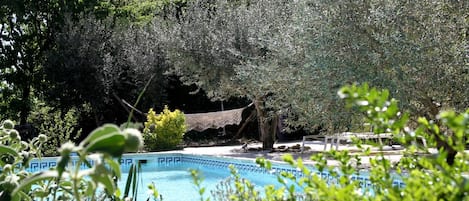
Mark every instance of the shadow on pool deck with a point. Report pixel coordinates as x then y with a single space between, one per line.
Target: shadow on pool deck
254 151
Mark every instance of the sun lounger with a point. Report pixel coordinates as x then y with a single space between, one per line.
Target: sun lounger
347 136
317 139
313 139
336 138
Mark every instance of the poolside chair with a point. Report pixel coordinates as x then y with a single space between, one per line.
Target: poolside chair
371 136
348 136
314 139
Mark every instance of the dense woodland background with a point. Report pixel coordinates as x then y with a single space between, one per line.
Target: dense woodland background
68 63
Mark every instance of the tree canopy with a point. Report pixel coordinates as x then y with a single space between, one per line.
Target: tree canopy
27 33
294 56
75 52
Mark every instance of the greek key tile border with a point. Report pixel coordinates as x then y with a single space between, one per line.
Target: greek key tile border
240 166
364 180
38 165
163 160
169 160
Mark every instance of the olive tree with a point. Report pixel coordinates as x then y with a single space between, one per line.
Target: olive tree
101 63
231 49
418 50
290 57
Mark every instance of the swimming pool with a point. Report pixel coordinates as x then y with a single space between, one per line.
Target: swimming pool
171 177
169 173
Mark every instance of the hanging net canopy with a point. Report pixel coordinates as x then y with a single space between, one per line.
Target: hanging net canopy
203 121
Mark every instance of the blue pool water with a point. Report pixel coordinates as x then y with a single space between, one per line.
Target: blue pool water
171 176
176 184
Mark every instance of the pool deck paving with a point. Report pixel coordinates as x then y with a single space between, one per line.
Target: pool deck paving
253 151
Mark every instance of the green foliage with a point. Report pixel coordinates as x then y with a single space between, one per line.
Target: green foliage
58 127
236 188
101 64
7 97
376 105
197 180
433 177
427 173
142 12
67 180
31 43
131 186
229 49
410 48
27 32
164 131
296 54
135 125
15 156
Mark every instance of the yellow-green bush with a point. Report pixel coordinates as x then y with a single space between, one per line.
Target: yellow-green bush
164 131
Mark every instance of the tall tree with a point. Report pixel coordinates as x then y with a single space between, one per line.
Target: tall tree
100 62
32 33
417 49
24 39
27 33
227 48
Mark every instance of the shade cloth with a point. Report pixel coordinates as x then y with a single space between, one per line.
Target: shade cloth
202 121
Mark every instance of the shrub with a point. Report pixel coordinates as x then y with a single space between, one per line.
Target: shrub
436 174
57 126
67 180
15 156
164 131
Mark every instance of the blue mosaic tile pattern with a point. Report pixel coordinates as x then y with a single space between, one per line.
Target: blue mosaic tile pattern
165 160
45 164
126 162
169 160
240 166
364 180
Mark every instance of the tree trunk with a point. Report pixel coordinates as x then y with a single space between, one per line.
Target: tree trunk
267 126
25 105
249 119
441 143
